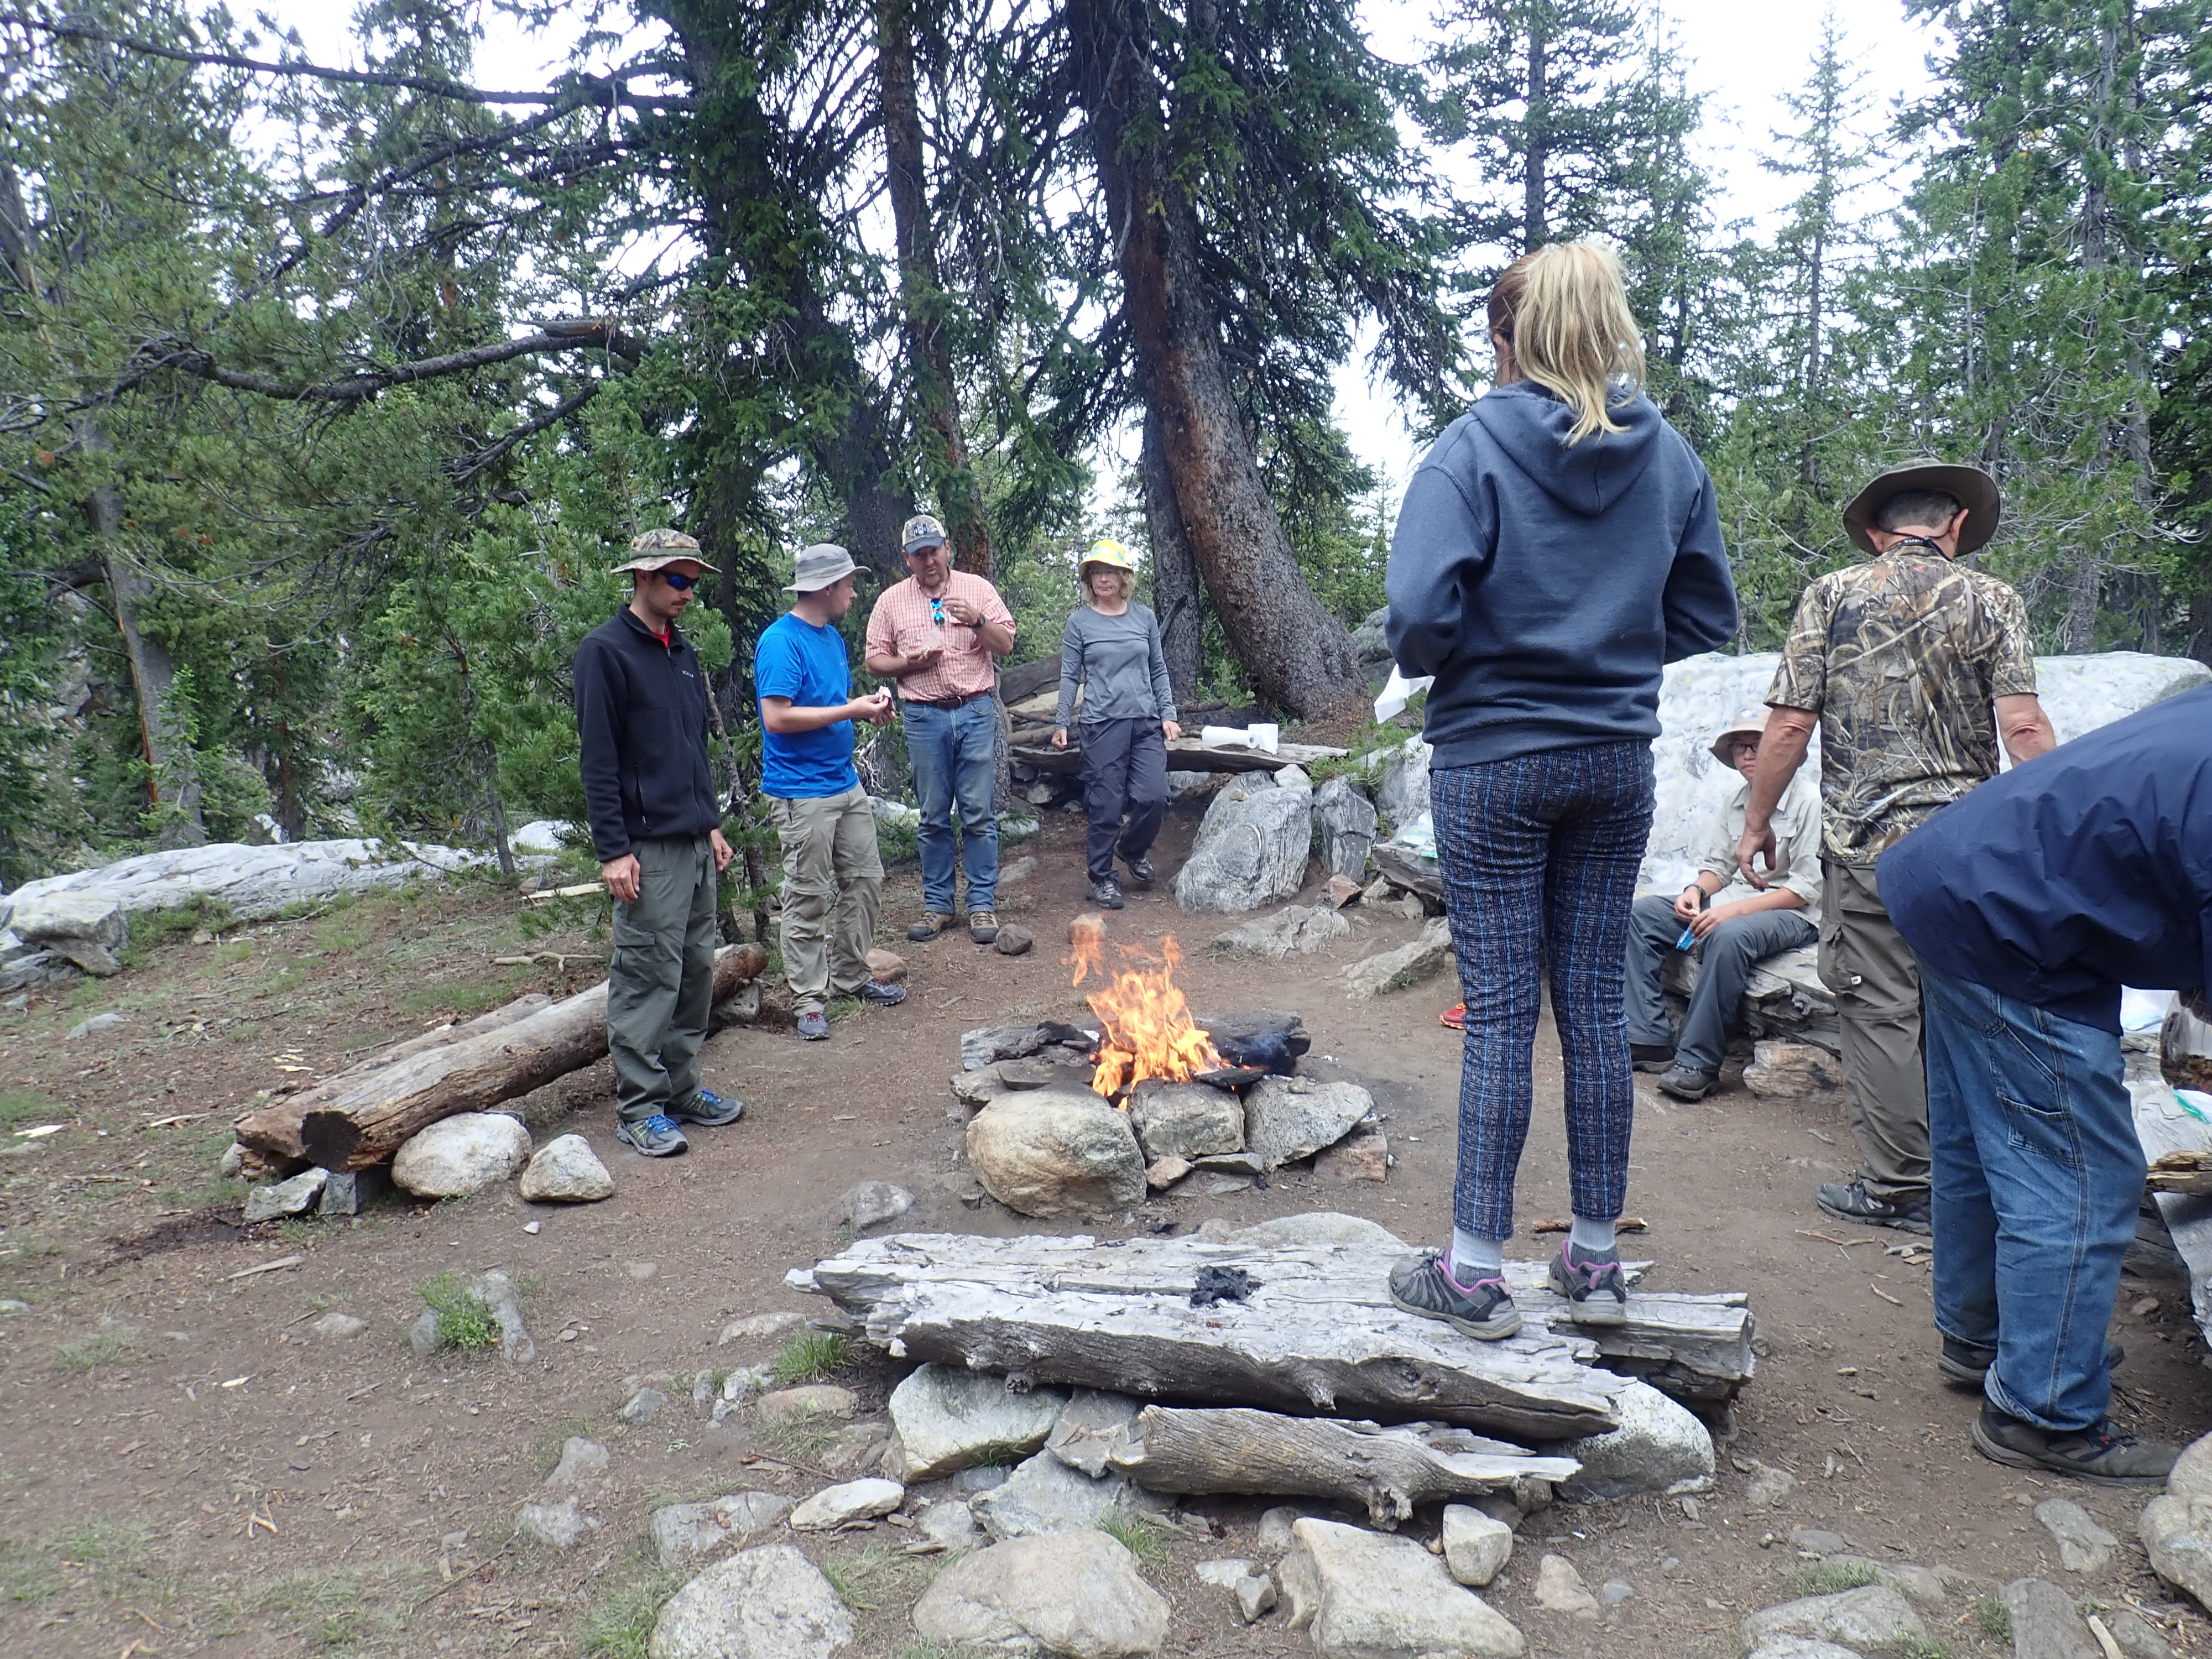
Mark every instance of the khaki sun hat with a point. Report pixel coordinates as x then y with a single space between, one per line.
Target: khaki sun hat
1975 489
823 565
663 546
1751 723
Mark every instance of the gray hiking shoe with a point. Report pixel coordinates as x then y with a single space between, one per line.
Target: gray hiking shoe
1483 1310
708 1108
1849 1200
655 1136
814 1025
1596 1292
880 996
2105 1454
1684 1084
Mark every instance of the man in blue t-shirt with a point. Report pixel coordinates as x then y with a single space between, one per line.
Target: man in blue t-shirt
822 815
2029 904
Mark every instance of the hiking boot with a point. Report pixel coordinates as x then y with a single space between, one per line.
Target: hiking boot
1969 1363
1684 1084
982 925
655 1136
1483 1310
1107 894
880 996
707 1108
814 1025
1850 1202
933 923
2107 1453
1141 873
1596 1292
1651 1056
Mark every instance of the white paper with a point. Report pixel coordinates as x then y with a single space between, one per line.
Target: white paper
1397 692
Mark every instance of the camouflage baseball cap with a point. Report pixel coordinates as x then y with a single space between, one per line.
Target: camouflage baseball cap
663 546
921 531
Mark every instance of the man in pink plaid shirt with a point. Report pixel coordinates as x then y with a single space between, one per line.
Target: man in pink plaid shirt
937 633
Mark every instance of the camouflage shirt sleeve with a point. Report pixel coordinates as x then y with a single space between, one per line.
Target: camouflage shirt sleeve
1801 680
2012 653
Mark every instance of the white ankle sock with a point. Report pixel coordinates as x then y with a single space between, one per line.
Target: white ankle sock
1474 1258
1593 1238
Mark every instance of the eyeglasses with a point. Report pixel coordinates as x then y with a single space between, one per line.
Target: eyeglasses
679 581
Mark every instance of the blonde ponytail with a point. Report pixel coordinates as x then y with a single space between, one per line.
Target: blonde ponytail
1564 310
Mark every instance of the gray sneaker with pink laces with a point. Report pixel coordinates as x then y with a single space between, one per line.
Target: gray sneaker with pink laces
1596 1290
1483 1310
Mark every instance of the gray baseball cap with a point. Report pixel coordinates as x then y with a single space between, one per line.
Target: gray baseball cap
823 565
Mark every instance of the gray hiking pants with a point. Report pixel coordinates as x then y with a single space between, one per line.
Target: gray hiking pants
1725 958
661 982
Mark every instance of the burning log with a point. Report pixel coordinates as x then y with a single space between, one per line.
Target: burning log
1145 1025
1390 1470
360 1118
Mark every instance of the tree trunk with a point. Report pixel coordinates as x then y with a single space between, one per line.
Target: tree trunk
1174 577
1295 654
1534 124
922 298
172 781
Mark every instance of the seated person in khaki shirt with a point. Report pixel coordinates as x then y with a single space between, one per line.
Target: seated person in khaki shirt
1731 937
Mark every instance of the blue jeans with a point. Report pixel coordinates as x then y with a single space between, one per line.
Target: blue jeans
2037 1173
1539 855
955 753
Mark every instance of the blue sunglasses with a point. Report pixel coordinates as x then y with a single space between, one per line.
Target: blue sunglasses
679 580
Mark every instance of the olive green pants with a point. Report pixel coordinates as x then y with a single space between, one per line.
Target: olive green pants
660 981
1866 963
830 864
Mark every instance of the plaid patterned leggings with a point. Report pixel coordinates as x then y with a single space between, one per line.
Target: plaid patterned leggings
1540 855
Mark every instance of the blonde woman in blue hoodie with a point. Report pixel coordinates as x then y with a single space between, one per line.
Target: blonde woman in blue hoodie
1556 549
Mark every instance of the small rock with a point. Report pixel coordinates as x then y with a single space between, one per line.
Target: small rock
2045 1622
1423 958
686 1533
872 1201
349 1192
1814 1541
1614 1591
1013 941
987 1478
2083 1545
1560 1588
1340 891
460 1155
232 1163
1658 1448
282 1198
582 1468
1476 1548
759 1327
1922 1585
1076 1594
10 1306
856 1500
767 1602
640 1269
1799 1647
814 1400
641 1408
1044 1495
566 1170
1228 1184
2135 1636
337 1324
1361 1157
562 1525
1164 1174
1364 1595
1090 1427
1185 1119
1275 1526
1287 1118
1376 891
1789 1070
1223 1573
1256 1595
85 1028
743 1382
1872 1616
951 1525
888 966
1768 1487
855 1447
1016 870
532 1227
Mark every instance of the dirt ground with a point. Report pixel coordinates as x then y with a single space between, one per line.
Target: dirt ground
185 1470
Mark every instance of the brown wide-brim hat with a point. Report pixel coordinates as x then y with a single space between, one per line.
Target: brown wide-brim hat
1975 489
657 548
1751 723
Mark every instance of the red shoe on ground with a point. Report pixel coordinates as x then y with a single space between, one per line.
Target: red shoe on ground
1454 1017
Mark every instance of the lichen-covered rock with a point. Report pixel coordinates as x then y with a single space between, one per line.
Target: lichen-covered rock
1185 1119
1049 1152
1788 1070
1658 1448
1347 821
944 1419
1373 1596
1252 848
1873 1616
1072 1594
1287 1118
767 1602
460 1155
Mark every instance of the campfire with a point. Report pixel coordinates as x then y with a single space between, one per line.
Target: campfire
1145 1025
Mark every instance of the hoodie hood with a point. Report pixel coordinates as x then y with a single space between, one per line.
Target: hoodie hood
1531 426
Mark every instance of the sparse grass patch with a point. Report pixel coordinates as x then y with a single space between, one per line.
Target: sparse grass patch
1824 1578
467 998
873 1575
118 1347
346 930
462 1320
801 1436
1146 1540
299 1229
230 955
205 1196
20 1107
108 1547
283 982
620 1622
1989 1615
841 1008
25 1577
1918 1647
809 1357
547 1456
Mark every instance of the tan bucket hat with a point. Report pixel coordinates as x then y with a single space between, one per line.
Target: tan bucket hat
1975 489
1751 723
663 546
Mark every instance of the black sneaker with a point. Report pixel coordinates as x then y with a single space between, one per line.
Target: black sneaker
1107 894
708 1108
1651 1056
1684 1084
655 1136
1141 873
1968 1363
880 996
1849 1200
2107 1453
1595 1292
1483 1310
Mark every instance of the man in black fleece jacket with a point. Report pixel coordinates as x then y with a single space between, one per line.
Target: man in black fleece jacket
641 711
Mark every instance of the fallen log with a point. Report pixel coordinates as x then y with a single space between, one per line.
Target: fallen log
1390 1470
1318 1334
1186 754
360 1118
1410 873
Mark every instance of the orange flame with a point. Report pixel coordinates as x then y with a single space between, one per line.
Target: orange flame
1144 1026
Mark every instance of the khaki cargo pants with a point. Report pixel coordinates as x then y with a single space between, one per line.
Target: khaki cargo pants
661 982
1866 963
830 862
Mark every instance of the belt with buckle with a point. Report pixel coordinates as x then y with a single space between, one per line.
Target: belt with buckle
948 702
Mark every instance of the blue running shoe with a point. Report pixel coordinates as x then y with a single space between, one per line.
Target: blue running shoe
655 1136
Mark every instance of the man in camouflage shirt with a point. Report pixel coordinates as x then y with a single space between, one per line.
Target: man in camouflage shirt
1914 669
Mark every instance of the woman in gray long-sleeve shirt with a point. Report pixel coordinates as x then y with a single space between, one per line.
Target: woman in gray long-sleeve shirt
1112 648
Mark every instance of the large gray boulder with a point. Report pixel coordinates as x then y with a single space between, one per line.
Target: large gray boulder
1294 930
1288 1118
1873 1616
1045 1494
1374 1596
1073 1593
1657 1448
686 1533
1347 821
2176 1526
944 1419
1424 955
460 1155
1401 786
86 928
2047 1622
767 1602
1049 1152
1185 1119
1251 849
